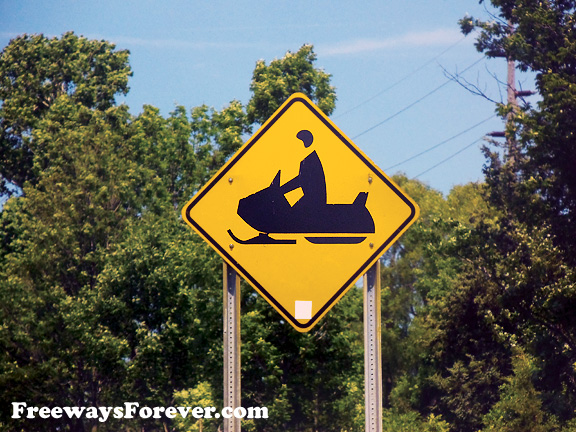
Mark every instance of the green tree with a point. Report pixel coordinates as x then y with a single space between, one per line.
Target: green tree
295 72
418 280
533 186
107 296
539 36
412 421
186 150
504 280
56 350
218 134
199 396
519 408
34 72
166 294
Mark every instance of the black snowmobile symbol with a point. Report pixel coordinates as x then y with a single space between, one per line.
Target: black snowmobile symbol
268 210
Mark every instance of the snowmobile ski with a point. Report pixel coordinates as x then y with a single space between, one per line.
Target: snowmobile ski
261 239
335 240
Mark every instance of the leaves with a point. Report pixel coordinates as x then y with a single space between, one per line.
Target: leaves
273 84
108 297
34 72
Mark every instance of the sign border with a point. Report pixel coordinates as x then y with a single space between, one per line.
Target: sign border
299 97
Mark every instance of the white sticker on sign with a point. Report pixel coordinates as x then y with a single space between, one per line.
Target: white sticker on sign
303 310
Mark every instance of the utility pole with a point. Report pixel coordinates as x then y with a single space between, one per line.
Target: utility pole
512 95
511 83
513 104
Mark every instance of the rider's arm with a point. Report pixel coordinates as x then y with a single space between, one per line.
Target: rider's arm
290 185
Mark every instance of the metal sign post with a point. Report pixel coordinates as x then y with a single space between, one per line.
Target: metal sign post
231 345
372 350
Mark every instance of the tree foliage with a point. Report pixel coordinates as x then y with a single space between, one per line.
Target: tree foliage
519 408
108 297
540 37
272 84
511 282
34 72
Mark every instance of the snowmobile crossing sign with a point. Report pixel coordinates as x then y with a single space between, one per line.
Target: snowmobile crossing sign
300 212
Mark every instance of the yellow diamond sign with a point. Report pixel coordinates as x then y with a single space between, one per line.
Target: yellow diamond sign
300 212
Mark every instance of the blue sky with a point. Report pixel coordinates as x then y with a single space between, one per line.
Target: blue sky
387 60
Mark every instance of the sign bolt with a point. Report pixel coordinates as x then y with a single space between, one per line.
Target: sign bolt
370 179
231 246
371 245
230 180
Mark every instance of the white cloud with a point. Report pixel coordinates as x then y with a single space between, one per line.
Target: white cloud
414 39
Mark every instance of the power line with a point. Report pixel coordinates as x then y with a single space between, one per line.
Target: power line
440 143
448 158
415 102
390 87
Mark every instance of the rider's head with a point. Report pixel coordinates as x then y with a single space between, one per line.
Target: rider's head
306 137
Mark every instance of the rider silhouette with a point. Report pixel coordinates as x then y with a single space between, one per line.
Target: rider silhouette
310 177
268 210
